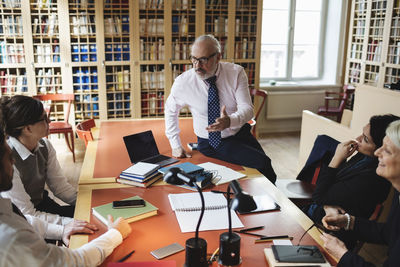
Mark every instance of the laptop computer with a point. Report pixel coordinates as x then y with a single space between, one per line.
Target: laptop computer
142 147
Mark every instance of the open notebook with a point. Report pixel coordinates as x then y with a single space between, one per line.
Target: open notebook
187 208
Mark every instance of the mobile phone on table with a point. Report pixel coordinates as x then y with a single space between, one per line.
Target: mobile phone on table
135 203
167 250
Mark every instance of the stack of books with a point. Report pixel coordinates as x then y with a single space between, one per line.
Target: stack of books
141 174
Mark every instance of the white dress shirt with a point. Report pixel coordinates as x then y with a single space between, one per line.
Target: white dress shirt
21 245
56 181
191 91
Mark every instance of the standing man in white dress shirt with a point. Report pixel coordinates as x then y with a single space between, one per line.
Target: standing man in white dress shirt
217 94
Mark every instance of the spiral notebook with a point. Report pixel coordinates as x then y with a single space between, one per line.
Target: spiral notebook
187 207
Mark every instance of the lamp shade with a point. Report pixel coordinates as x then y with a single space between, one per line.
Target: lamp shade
242 202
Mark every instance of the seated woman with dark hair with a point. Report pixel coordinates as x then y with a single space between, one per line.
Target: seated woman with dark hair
25 121
371 231
353 184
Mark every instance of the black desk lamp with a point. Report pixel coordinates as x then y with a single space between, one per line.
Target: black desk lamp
196 248
229 243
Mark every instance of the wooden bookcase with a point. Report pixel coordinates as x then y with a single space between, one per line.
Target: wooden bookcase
119 57
374 43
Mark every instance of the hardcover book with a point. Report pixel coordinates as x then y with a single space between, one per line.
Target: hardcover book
129 214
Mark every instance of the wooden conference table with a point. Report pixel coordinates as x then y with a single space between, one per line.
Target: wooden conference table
110 157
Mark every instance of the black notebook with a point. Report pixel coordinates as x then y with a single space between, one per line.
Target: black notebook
298 254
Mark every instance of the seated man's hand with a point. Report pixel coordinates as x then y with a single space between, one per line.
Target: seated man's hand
77 227
220 123
121 225
180 152
334 246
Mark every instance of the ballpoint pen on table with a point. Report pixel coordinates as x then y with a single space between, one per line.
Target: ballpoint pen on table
246 233
270 238
124 258
251 229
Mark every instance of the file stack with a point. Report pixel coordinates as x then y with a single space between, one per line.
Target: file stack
141 174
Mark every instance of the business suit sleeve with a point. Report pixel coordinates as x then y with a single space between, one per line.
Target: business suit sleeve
358 192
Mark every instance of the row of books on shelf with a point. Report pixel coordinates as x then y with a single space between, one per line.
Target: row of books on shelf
151 26
45 4
392 75
181 51
180 25
180 4
217 25
84 4
13 83
374 51
11 25
152 79
361 6
249 69
47 25
11 53
377 26
356 50
84 53
116 25
152 103
48 81
83 80
152 50
245 49
395 31
117 52
360 27
152 4
83 24
378 5
47 53
178 69
354 75
12 3
119 80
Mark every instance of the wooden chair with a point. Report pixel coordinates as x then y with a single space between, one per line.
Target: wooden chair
60 127
253 122
83 130
343 98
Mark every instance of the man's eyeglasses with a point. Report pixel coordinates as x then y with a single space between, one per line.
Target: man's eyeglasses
202 60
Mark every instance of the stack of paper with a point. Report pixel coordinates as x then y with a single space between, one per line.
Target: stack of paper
222 174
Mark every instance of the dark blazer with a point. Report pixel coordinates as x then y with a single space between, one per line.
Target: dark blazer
354 186
380 233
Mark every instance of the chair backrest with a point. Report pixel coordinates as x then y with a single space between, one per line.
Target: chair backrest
348 91
260 93
83 130
53 98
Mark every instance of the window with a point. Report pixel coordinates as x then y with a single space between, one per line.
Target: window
291 41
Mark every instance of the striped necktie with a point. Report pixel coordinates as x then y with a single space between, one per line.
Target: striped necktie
214 111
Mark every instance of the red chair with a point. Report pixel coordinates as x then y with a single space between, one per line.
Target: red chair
83 130
60 127
253 122
343 98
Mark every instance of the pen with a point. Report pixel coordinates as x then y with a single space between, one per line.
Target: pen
270 238
126 257
246 233
221 192
251 229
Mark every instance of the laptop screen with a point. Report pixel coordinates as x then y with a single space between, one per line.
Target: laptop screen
141 146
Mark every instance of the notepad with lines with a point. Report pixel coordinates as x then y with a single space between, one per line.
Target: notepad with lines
187 208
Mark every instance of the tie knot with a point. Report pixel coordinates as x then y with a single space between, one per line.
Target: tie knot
211 80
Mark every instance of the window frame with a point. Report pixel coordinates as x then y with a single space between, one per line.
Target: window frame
290 44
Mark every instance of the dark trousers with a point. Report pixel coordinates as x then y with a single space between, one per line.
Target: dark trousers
242 149
50 206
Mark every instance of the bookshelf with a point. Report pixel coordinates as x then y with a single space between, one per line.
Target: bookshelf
118 57
374 43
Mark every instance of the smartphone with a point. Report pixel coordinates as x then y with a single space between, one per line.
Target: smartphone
135 203
167 250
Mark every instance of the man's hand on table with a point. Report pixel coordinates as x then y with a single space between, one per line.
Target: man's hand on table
77 227
180 152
